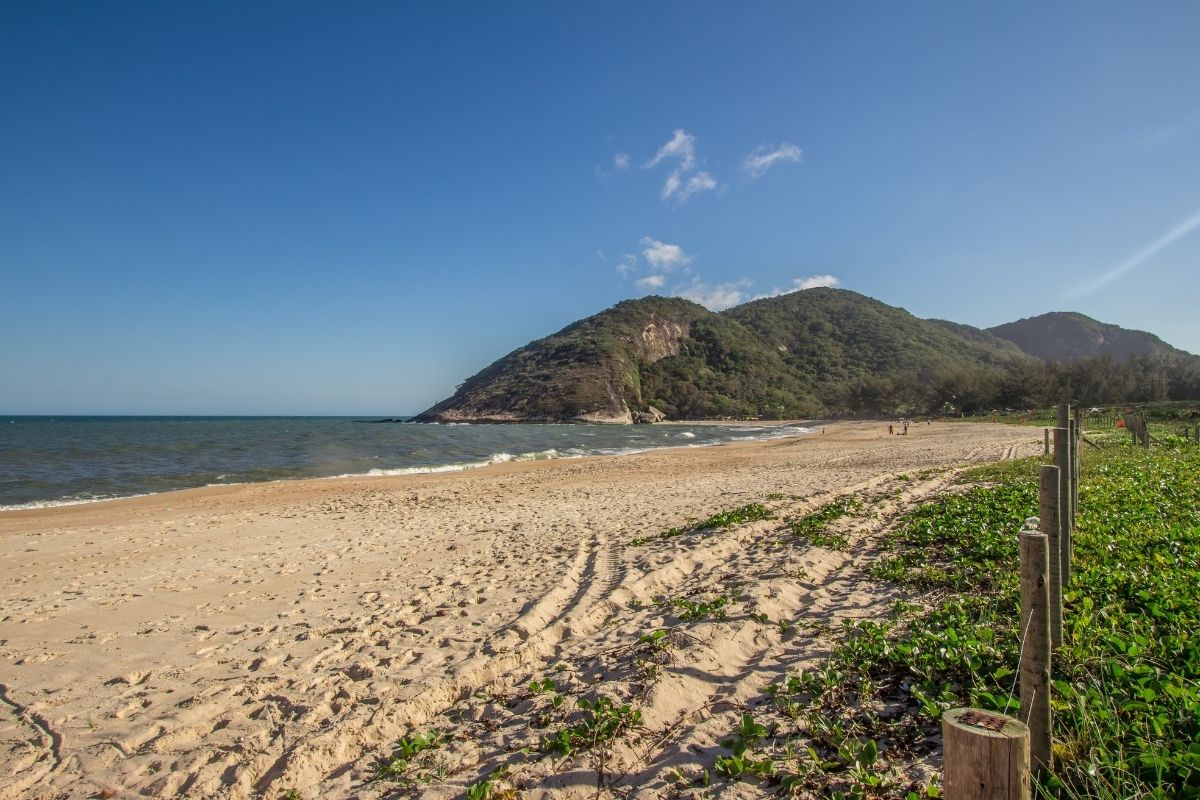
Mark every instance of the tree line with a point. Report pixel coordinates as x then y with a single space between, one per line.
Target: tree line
1029 384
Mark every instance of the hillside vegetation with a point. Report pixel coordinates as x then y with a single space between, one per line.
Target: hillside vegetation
811 353
1067 336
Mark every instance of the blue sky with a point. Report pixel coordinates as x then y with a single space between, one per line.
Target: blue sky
349 208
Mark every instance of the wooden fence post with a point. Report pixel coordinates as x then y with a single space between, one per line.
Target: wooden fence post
1048 524
1064 504
1065 420
1045 441
1076 463
1072 468
986 756
1035 645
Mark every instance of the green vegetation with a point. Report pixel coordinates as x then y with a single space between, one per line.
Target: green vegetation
1067 336
1126 682
603 720
812 527
751 512
812 353
696 610
405 762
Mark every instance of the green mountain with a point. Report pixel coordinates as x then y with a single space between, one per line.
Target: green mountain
801 354
1067 336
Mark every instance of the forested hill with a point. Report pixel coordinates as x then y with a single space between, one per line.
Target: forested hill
1067 336
810 353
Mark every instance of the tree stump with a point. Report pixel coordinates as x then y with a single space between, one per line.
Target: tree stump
986 756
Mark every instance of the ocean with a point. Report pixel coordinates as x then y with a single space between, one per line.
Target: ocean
46 461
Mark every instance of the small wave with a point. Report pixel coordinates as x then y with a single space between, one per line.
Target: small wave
434 469
70 501
687 435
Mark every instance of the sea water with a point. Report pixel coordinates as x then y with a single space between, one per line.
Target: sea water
60 460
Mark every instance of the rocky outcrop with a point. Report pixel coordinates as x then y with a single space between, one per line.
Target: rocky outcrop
588 372
648 417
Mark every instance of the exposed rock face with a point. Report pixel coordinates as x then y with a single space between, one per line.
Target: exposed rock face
661 339
587 372
648 417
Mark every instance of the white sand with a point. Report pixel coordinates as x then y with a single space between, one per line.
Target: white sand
237 641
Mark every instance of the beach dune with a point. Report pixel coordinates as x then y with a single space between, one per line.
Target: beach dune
252 640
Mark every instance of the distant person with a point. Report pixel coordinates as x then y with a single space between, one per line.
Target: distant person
890 431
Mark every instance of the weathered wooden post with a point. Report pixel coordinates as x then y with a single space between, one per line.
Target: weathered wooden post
1048 524
986 756
1064 503
1076 463
1072 468
1068 444
1035 644
1045 441
1062 414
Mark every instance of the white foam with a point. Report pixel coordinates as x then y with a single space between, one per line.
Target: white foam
73 501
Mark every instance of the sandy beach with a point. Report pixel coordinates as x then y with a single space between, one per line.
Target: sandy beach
249 640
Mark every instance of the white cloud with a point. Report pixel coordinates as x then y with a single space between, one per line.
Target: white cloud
681 183
768 155
716 297
621 161
650 282
800 284
663 257
626 264
681 146
700 182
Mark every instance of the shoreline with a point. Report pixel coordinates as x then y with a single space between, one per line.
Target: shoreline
438 469
236 641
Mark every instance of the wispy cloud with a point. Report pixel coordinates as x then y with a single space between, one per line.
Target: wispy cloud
621 161
650 282
627 263
716 297
700 182
1147 253
766 156
681 183
682 146
663 257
